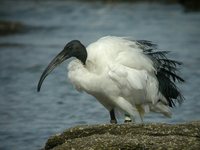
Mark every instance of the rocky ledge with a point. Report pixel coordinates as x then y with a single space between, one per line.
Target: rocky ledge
128 137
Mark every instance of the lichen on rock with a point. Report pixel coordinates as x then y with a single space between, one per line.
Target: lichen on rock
128 137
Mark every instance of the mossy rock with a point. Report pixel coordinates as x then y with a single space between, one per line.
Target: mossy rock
127 137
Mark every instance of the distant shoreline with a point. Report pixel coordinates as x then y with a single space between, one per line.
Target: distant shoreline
9 27
189 5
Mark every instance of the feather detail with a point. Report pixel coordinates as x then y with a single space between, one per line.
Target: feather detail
166 72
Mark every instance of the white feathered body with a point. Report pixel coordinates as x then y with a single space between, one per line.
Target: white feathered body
120 76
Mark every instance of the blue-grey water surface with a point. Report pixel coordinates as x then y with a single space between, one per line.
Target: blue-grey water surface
28 118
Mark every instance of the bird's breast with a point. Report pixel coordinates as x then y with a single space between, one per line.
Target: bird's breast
98 85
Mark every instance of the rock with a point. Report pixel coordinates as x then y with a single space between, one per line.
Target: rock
191 5
127 137
7 27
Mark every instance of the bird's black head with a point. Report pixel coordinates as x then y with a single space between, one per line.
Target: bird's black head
76 49
71 49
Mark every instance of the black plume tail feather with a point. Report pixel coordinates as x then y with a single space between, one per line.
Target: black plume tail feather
169 89
145 43
169 62
167 72
171 75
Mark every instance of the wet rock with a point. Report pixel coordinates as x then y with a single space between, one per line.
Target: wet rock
128 137
7 27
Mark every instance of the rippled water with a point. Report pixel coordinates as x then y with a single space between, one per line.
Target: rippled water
28 118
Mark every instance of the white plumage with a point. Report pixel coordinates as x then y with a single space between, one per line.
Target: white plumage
118 73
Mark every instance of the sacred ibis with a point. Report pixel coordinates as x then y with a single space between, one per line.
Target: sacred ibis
131 76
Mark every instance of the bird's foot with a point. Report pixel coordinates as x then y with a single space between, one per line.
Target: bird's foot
113 121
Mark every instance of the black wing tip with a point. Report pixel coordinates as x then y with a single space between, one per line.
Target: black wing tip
167 86
171 75
146 42
146 45
166 72
178 101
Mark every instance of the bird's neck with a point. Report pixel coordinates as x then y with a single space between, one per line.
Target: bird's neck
82 56
80 76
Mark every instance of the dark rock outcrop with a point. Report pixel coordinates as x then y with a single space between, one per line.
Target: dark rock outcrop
8 27
128 137
191 5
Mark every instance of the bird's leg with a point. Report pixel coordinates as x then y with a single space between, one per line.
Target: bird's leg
127 118
112 117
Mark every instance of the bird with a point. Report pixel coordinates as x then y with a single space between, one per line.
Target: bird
131 76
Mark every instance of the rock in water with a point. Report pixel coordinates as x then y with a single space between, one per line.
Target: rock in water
8 27
128 137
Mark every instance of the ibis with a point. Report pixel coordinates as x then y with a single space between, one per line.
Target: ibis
131 76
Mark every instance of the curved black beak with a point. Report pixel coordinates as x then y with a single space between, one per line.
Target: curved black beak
62 56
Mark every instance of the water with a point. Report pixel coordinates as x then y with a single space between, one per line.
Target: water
28 118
